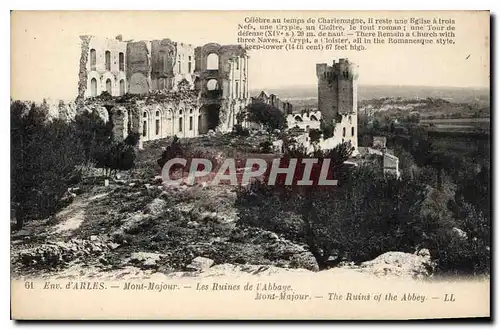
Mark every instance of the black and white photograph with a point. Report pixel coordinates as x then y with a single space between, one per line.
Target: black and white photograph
298 164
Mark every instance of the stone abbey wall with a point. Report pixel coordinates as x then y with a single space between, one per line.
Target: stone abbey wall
218 74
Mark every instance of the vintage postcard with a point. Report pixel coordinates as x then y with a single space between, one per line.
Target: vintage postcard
192 165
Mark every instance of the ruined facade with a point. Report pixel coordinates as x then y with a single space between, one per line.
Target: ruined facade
338 98
305 120
272 99
202 88
102 67
222 79
391 165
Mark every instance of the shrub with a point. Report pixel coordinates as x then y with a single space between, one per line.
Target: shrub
174 150
265 146
118 156
239 130
267 115
328 129
132 139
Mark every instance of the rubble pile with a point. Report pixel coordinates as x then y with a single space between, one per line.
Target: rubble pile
54 254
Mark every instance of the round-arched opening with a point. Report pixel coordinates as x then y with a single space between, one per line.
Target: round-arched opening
122 87
212 85
93 87
108 86
213 62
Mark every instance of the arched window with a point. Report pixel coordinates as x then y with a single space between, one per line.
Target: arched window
92 59
350 120
145 124
107 58
212 85
213 62
190 111
352 131
121 61
343 131
157 123
122 87
180 112
108 86
93 87
180 124
163 61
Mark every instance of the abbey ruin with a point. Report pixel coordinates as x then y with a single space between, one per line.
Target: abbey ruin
162 88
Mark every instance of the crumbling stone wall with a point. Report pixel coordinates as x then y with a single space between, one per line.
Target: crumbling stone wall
83 73
120 122
138 67
169 68
163 60
391 165
231 76
337 88
112 77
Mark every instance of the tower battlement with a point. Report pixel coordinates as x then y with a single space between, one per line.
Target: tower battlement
343 69
338 97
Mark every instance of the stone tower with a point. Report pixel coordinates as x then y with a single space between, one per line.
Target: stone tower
338 98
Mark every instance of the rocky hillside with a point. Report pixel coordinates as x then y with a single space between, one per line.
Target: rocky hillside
136 228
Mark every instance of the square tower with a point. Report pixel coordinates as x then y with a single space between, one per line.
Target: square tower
337 89
338 98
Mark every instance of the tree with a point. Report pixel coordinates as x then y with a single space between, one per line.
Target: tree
44 155
132 139
174 150
267 115
118 156
328 129
94 134
315 136
368 214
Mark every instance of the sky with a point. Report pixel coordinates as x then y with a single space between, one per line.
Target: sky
45 49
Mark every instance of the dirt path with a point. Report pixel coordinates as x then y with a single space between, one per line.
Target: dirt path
73 216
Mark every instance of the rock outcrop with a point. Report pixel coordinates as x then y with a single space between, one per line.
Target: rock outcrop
55 254
400 264
200 264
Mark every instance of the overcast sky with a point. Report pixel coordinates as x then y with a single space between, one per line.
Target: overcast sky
45 49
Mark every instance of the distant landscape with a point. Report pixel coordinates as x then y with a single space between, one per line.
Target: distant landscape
449 109
368 92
